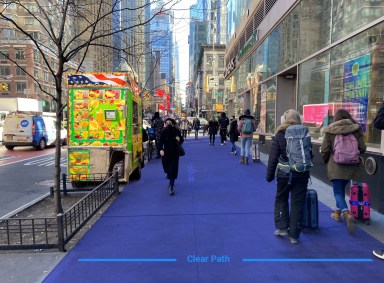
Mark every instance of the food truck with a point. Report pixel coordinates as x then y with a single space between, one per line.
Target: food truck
104 126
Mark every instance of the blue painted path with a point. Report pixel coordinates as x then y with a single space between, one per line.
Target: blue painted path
218 227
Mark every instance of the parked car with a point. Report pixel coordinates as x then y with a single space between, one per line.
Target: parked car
1 130
27 129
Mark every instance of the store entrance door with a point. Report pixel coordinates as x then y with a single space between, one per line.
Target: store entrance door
286 93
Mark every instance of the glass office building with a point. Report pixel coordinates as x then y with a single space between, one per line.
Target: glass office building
316 57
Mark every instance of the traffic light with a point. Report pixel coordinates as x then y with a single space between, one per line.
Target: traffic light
4 86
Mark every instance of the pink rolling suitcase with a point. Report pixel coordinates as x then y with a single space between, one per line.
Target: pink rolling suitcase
360 202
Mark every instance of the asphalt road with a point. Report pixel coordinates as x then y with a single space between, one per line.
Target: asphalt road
25 176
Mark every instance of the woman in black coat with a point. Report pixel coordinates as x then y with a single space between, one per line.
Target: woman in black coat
169 150
213 128
233 134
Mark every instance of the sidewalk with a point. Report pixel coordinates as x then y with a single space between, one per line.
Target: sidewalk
217 228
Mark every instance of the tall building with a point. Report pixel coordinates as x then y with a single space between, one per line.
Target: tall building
197 35
135 48
217 21
16 47
99 57
211 70
161 39
315 57
202 9
177 98
117 40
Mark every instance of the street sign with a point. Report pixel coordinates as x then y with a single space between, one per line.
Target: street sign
158 99
213 82
219 107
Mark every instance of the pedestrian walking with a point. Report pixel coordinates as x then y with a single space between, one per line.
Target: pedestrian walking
213 127
246 128
205 129
223 122
290 184
339 173
183 125
233 134
170 139
196 126
378 123
158 125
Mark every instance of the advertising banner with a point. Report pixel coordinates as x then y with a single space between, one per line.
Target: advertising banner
356 86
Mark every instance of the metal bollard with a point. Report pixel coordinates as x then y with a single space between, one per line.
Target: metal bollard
256 152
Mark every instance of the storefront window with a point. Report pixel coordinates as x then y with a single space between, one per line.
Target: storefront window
348 16
273 43
261 62
313 95
357 78
256 93
271 101
349 76
315 21
288 36
267 107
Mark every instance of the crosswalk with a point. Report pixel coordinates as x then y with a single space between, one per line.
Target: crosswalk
47 161
6 157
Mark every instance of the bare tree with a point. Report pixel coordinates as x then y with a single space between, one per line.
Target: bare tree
67 30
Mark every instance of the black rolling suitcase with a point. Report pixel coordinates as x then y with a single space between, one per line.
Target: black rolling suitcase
310 213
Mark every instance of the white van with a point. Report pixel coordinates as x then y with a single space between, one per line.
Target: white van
3 114
27 129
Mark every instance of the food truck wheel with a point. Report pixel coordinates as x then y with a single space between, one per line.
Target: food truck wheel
136 175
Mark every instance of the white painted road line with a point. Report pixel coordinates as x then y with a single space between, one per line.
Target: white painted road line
48 161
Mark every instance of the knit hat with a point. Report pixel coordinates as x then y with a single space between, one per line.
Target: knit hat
170 119
291 117
247 112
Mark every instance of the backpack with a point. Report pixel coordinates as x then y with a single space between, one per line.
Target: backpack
247 128
151 133
299 148
346 149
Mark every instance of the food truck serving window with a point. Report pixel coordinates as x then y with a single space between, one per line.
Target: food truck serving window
110 115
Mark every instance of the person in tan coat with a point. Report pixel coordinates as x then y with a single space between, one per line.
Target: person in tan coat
341 174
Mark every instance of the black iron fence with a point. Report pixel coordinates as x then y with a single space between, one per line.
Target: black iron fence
81 182
45 233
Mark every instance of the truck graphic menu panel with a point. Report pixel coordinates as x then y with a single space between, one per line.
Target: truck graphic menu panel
97 117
